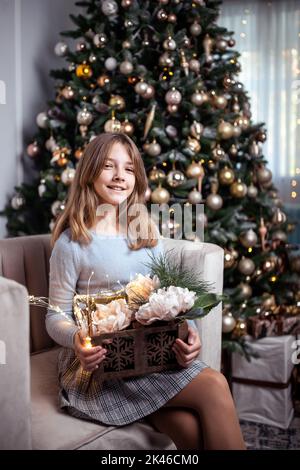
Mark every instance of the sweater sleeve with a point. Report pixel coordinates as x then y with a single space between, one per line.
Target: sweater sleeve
63 276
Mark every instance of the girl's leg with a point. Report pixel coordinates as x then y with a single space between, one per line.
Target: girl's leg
209 396
181 425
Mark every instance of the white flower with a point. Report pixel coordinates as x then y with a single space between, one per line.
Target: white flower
139 290
166 304
111 317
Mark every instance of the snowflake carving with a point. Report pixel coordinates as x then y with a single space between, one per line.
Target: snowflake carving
159 348
120 354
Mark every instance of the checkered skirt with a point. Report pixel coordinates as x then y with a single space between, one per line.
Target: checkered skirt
119 401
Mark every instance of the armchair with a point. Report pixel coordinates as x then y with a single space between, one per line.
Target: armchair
30 416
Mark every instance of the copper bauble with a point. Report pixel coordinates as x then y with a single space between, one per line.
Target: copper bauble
226 176
228 259
103 80
218 153
238 189
225 130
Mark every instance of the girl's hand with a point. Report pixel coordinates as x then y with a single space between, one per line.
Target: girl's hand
89 358
186 353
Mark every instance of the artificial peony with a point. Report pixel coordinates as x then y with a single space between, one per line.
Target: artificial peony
166 304
111 317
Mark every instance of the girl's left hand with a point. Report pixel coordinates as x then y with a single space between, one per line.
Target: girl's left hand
186 353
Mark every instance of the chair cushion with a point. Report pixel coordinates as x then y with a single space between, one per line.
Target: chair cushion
52 428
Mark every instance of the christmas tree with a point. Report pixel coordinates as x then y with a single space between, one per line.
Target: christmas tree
165 73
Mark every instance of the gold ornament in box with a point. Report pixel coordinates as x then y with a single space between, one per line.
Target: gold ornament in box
137 350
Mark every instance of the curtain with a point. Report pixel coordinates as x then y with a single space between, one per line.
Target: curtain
267 36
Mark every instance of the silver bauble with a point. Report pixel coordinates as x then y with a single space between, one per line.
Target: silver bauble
252 191
246 266
194 196
68 175
110 64
264 175
245 290
248 239
141 88
173 96
169 44
175 178
195 29
228 322
100 40
198 98
42 188
126 67
57 207
279 235
194 65
214 201
42 120
160 196
84 117
61 49
154 149
279 217
109 7
17 201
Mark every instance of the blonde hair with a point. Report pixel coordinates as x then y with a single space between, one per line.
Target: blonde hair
82 200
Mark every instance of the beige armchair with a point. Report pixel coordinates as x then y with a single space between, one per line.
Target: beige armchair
30 416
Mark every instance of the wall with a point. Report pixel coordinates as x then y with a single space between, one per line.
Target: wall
29 30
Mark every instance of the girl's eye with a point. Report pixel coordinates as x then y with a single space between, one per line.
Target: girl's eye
107 165
130 169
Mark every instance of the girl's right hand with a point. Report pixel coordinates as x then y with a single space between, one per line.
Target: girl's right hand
89 358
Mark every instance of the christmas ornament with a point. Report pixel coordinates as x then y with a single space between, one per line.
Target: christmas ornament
42 188
264 175
17 201
67 176
261 136
162 15
149 121
219 102
195 29
169 44
51 144
57 207
229 259
214 200
236 130
196 129
126 3
248 239
61 49
42 120
218 153
156 175
100 40
225 129
84 117
117 102
252 191
84 71
153 149
279 217
112 125
198 98
171 131
245 290
193 145
127 127
109 7
78 154
33 149
92 58
110 64
103 80
195 170
184 63
172 18
238 189
226 176
269 263
160 196
240 328
166 60
255 150
263 233
221 44
279 235
194 196
207 45
83 130
228 322
126 67
173 96
81 46
149 93
141 87
172 108
231 42
67 92
246 266
175 178
194 65
148 194
295 264
233 150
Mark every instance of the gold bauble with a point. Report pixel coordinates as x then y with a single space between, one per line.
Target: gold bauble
219 102
195 170
112 125
156 175
238 189
160 196
229 259
225 129
78 153
240 328
193 145
117 102
127 127
103 80
228 322
84 71
226 176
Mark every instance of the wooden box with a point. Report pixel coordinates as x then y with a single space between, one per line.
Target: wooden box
140 350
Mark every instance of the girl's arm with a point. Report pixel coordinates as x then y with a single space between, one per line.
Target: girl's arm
63 276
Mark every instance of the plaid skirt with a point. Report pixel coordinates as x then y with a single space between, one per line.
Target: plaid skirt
117 401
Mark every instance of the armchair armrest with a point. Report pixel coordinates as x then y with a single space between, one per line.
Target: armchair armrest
15 426
208 260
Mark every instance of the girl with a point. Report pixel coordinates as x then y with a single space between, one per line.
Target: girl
187 403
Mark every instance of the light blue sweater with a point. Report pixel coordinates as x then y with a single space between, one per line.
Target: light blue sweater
71 265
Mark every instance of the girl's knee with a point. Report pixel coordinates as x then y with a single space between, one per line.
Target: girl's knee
214 381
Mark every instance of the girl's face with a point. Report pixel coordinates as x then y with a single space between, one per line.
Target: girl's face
117 179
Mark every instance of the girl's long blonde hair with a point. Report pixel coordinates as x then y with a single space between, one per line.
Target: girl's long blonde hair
82 200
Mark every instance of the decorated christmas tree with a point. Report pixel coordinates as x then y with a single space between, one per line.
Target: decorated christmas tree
166 74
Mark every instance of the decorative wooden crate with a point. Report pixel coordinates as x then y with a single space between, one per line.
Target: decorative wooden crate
140 350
